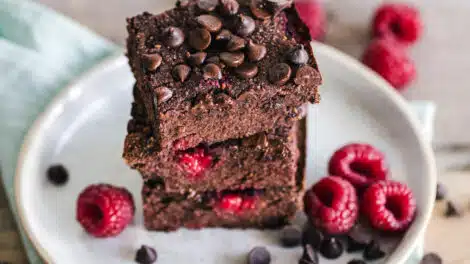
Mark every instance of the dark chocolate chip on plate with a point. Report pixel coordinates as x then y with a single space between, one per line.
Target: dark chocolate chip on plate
312 236
441 192
354 244
298 55
232 59
291 236
173 37
244 25
200 39
259 255
373 251
247 70
152 61
163 94
331 248
197 58
309 255
356 261
256 52
209 22
224 35
207 5
181 72
452 210
229 7
431 258
305 75
279 73
235 43
146 255
57 174
212 71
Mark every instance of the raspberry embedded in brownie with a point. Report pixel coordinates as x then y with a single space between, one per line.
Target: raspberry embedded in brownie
229 71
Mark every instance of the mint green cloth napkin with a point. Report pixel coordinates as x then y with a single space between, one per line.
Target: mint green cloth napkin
41 51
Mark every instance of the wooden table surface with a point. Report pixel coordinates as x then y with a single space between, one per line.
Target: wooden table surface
442 64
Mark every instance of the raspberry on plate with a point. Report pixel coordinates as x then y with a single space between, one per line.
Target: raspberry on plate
314 17
389 59
104 210
331 205
400 21
360 164
389 206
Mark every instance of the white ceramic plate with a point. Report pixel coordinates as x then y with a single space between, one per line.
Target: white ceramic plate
85 126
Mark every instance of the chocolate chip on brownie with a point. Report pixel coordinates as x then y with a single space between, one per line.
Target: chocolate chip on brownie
207 5
230 7
181 72
152 61
280 73
291 236
209 22
212 71
146 255
247 71
298 55
373 251
309 255
224 35
197 58
232 59
244 25
259 255
57 174
163 94
173 37
331 248
235 43
256 52
199 39
258 10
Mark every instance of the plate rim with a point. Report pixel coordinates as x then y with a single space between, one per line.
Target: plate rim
413 235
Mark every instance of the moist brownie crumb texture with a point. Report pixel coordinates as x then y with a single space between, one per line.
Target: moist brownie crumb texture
217 129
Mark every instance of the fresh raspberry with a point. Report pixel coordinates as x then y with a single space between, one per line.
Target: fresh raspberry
360 164
314 17
389 205
389 59
331 205
104 210
400 21
195 162
236 203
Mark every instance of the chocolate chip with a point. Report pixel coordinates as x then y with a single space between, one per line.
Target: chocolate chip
291 236
199 39
258 10
173 37
331 248
247 70
244 25
298 55
441 192
146 255
356 261
354 245
230 7
213 59
197 58
306 75
181 72
279 73
223 35
152 61
163 94
235 43
259 255
452 210
57 174
276 6
431 258
373 251
207 5
232 59
309 256
212 71
312 236
182 3
209 22
256 52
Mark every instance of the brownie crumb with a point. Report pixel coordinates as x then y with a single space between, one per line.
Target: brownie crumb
452 210
57 174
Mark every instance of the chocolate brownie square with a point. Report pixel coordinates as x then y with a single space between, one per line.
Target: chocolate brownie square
264 160
211 71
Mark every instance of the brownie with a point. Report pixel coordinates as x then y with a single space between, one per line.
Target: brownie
249 208
264 160
212 73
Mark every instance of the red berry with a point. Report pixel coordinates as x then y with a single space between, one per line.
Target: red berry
389 206
314 17
331 205
195 162
389 59
360 164
400 21
237 203
104 210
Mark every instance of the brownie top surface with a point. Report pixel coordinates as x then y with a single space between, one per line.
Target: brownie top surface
209 49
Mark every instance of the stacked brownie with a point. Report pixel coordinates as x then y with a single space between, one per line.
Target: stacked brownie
216 129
